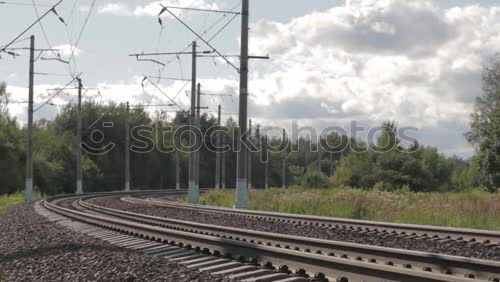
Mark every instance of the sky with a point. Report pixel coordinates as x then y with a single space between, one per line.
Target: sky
332 62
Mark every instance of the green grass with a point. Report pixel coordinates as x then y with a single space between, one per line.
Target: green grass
474 209
13 199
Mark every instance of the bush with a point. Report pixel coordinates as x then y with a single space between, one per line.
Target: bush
315 179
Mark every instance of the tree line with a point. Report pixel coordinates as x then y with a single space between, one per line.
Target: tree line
416 168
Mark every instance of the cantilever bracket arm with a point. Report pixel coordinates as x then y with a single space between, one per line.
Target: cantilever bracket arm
201 38
54 59
149 60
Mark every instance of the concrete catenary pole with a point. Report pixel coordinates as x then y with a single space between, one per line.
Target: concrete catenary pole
307 145
28 193
241 169
266 166
319 155
127 150
79 182
283 157
217 153
331 164
198 125
223 168
177 170
193 192
250 157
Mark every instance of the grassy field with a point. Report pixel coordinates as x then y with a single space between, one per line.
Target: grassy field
12 199
474 209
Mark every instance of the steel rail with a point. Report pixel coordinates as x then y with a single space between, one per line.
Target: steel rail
332 267
436 232
450 265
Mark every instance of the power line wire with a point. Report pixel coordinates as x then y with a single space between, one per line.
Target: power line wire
201 38
57 93
22 4
30 26
82 30
205 32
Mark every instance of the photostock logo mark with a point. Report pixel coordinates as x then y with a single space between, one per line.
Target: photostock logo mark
98 146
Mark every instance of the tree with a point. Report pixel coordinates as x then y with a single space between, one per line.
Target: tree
4 101
11 149
388 140
485 127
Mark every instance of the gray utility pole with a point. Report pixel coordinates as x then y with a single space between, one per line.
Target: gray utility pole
266 167
283 156
331 164
28 194
127 150
198 125
241 167
319 155
193 191
223 170
250 157
79 188
306 156
217 154
177 170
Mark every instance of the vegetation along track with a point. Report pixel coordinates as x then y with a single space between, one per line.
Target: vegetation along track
473 236
335 261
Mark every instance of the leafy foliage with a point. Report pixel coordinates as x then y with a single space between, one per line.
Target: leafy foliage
387 166
485 127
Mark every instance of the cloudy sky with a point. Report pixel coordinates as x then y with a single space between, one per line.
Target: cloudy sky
332 61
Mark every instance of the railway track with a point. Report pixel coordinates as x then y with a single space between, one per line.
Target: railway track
473 236
238 253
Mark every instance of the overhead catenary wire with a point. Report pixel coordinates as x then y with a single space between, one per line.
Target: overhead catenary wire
57 93
77 42
159 89
169 78
160 69
201 38
206 31
15 42
197 9
30 26
23 4
212 26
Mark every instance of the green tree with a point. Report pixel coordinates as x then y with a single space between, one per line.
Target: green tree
11 149
485 127
388 140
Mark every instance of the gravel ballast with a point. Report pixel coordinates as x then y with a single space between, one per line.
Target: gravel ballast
455 248
33 249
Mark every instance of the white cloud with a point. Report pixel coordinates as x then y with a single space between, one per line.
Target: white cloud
371 58
152 8
65 50
117 9
409 61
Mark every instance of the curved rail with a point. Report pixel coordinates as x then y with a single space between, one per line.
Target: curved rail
438 232
336 260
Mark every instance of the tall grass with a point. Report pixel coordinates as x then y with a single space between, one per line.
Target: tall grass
13 199
473 209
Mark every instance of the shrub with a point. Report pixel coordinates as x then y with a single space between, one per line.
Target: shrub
315 179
